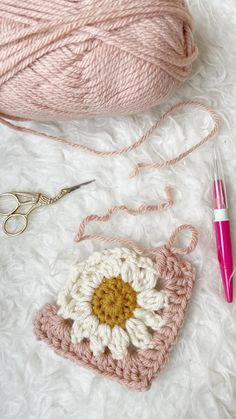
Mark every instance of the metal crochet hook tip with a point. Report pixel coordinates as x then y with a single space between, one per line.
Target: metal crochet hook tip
216 164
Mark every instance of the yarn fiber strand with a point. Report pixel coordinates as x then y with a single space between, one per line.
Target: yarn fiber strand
62 60
140 166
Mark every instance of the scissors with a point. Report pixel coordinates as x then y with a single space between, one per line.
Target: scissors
24 199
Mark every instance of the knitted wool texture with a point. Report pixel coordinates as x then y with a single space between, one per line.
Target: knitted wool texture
126 338
63 59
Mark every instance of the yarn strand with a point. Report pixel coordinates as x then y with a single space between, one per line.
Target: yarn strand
144 208
215 118
124 150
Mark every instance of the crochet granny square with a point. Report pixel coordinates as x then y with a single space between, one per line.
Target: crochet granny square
119 313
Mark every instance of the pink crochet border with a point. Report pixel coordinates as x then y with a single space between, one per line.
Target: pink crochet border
137 370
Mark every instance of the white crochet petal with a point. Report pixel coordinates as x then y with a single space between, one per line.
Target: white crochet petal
128 271
110 268
93 259
81 311
92 279
80 298
87 291
84 328
149 318
119 342
138 333
152 299
64 299
139 272
100 339
144 280
76 272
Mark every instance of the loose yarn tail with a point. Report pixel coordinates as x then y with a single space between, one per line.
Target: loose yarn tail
215 118
144 208
5 120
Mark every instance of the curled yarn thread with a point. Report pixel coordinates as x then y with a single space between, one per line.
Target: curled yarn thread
144 208
62 59
140 166
130 243
136 369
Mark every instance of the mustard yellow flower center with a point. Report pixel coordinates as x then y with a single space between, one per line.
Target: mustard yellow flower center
114 301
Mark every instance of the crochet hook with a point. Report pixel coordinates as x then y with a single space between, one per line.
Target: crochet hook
222 228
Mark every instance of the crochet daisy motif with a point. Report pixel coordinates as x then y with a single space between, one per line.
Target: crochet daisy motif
113 301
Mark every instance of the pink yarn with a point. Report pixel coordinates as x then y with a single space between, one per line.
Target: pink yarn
63 59
140 210
140 166
137 370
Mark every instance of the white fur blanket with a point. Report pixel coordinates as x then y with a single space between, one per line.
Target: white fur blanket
200 379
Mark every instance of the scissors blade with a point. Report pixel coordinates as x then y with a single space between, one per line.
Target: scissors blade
73 188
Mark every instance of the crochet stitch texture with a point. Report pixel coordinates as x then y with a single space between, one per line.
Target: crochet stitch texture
127 303
137 368
114 301
159 281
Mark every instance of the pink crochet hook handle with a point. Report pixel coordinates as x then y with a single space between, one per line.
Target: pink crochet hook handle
222 229
225 256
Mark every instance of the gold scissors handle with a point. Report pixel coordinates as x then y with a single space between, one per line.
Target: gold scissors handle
22 224
23 199
19 199
15 201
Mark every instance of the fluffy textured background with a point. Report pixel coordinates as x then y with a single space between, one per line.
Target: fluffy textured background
199 382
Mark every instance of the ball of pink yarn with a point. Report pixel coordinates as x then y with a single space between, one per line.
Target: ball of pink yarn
63 59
